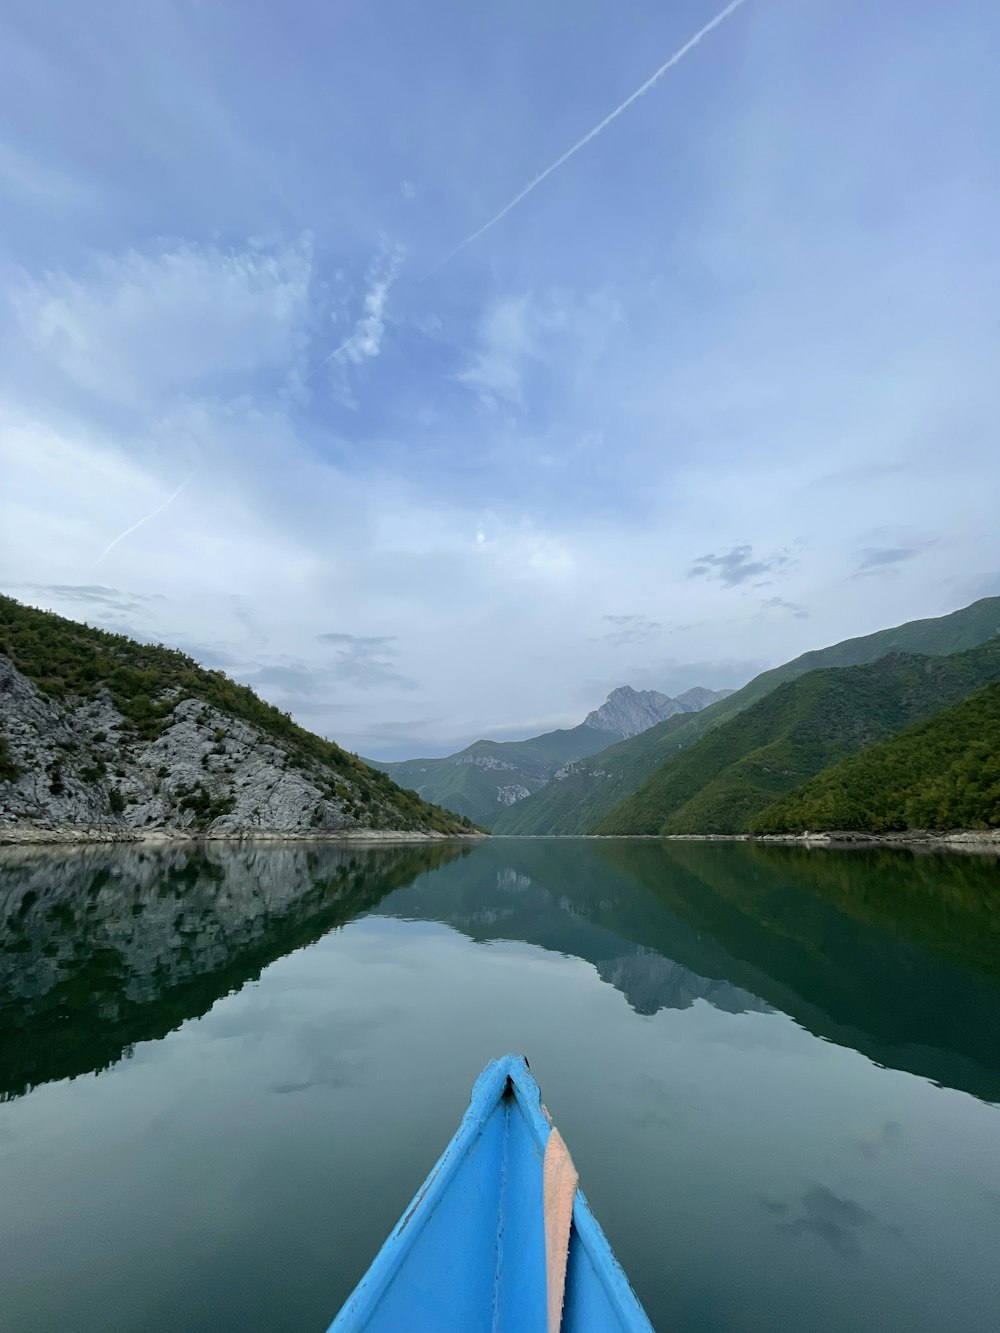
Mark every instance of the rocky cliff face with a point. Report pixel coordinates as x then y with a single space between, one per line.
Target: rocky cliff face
627 712
77 762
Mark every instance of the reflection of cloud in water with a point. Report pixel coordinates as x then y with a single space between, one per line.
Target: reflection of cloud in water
826 1215
318 1050
889 1136
341 1080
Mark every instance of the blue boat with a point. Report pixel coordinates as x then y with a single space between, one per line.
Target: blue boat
499 1237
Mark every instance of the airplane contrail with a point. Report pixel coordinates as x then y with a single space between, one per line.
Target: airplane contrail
320 364
128 531
675 59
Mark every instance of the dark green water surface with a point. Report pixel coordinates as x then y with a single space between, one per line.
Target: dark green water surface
224 1072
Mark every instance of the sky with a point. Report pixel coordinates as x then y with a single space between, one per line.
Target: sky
720 389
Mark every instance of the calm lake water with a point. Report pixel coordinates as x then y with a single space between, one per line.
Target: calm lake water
224 1073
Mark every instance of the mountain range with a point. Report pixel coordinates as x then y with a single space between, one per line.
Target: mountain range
890 731
488 777
585 795
736 771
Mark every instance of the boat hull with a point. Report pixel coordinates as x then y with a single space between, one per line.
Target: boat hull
469 1252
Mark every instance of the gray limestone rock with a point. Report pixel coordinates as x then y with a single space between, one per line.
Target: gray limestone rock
627 712
79 764
513 792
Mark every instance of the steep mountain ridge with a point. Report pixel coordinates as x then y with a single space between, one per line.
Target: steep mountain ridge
627 712
97 730
486 777
721 783
586 791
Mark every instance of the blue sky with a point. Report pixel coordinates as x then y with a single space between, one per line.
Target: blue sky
721 389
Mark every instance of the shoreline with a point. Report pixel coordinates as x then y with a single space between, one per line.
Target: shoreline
39 835
952 840
955 840
54 835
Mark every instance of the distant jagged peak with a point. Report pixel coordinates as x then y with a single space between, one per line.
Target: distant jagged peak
627 711
697 698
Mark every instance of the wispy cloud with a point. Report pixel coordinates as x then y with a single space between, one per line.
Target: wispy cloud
366 661
148 324
881 557
90 594
738 566
885 558
25 175
365 340
629 629
507 338
782 604
297 683
551 342
416 728
592 134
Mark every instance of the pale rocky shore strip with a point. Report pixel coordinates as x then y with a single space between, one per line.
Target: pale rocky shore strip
956 839
972 840
23 834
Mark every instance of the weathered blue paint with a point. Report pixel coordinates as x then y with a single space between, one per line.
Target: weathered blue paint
469 1252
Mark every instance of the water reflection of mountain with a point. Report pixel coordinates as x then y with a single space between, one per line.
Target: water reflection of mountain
564 898
651 982
894 954
102 948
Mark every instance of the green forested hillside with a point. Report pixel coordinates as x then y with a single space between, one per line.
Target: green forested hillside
475 781
592 787
586 790
744 765
74 663
942 773
488 777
